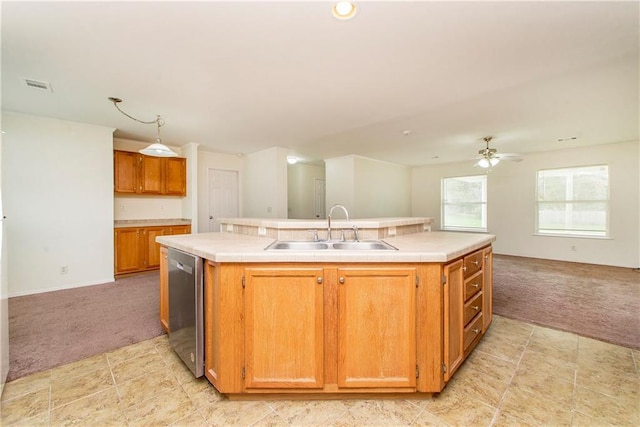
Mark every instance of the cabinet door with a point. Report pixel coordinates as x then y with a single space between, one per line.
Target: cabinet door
164 289
453 318
176 176
125 171
376 327
128 256
487 302
284 343
152 248
180 229
152 175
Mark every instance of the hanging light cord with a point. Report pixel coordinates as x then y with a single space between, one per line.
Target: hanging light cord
158 120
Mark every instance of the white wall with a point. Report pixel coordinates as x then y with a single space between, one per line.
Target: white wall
265 184
511 204
4 291
190 201
58 194
389 193
340 183
208 160
368 188
301 189
132 207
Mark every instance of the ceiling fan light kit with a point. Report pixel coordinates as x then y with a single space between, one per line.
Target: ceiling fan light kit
157 149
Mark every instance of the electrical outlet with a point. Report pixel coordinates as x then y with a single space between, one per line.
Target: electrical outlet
230 228
262 231
573 248
122 208
392 231
269 209
64 269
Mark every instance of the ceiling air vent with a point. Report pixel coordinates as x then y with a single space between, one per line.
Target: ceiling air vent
37 84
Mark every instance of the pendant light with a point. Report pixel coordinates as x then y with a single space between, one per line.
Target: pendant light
157 149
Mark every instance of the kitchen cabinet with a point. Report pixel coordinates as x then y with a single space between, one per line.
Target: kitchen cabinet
376 327
164 288
324 328
136 248
487 302
135 173
466 307
284 328
128 250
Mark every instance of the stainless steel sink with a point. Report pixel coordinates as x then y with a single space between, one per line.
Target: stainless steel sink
315 246
298 246
364 246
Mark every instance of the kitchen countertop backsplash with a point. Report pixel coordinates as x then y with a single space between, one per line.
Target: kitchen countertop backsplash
124 223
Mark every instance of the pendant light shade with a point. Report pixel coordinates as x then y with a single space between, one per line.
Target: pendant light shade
157 149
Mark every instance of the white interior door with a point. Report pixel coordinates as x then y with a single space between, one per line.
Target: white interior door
319 198
223 196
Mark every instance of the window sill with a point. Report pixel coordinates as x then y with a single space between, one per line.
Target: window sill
574 236
466 230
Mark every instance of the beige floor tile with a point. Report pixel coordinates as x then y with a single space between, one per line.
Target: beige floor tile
26 406
490 364
427 419
456 407
196 385
160 409
194 419
582 420
26 385
502 346
40 420
545 383
488 387
137 390
534 409
607 409
514 328
504 420
384 412
610 383
321 412
205 398
100 409
234 413
545 362
64 391
606 358
131 351
557 344
271 420
147 364
179 370
81 367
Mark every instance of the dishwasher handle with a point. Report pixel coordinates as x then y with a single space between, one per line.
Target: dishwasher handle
180 266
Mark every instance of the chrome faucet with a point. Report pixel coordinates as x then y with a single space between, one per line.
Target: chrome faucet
329 218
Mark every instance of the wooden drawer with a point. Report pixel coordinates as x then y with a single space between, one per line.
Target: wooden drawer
472 285
473 330
473 263
473 307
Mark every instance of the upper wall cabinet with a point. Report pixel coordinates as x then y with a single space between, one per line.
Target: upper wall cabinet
136 173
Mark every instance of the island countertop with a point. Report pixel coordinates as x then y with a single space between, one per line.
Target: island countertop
438 246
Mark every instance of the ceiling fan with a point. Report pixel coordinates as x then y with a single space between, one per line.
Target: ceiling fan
489 157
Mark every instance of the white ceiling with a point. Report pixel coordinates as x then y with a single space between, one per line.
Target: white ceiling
238 77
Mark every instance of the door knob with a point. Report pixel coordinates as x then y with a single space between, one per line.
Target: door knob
210 217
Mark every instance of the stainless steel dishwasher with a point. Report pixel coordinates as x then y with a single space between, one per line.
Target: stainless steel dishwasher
186 294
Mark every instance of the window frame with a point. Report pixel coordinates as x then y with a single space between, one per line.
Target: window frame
484 210
568 232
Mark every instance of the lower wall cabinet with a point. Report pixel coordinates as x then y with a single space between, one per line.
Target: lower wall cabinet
136 248
164 288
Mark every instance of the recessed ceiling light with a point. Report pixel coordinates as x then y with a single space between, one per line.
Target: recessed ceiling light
292 160
406 132
344 9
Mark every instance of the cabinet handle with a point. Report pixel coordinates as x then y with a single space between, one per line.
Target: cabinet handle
341 280
475 331
319 280
464 268
476 263
475 285
486 257
475 307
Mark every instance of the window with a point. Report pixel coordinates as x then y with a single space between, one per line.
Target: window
573 201
464 202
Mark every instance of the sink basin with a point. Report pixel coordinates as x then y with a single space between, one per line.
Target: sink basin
315 246
363 246
298 246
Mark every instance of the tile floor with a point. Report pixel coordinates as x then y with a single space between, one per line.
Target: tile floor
519 375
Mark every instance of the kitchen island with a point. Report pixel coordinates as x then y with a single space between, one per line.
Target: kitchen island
329 323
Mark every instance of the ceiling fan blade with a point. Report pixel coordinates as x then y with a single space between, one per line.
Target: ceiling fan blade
510 157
